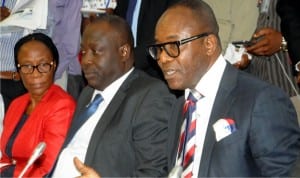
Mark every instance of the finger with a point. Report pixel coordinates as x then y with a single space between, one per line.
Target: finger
237 65
258 47
254 47
79 165
244 62
86 172
262 32
260 51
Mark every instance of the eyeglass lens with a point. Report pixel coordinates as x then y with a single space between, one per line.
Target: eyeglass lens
172 49
42 68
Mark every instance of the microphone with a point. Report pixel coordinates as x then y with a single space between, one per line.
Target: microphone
38 151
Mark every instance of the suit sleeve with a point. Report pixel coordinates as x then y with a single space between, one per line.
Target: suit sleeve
274 136
150 133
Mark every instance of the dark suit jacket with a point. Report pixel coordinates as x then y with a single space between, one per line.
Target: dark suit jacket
289 13
267 140
150 11
130 138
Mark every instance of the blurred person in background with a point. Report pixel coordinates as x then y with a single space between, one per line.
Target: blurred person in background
63 21
142 16
270 59
289 13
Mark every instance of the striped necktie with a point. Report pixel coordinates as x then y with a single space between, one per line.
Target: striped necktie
92 107
187 143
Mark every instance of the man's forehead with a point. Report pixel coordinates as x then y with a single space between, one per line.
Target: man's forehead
98 30
174 25
176 17
92 36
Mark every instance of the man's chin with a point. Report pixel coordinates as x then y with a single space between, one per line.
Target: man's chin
92 83
175 85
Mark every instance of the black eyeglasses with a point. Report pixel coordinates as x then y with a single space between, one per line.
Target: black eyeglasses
41 68
171 48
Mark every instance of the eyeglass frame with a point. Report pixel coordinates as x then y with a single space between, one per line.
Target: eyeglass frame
177 43
35 67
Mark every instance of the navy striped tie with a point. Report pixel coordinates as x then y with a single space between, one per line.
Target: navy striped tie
187 142
92 107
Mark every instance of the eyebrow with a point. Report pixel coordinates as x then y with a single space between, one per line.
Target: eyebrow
42 60
169 39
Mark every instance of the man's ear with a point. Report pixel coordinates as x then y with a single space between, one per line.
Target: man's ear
125 51
211 43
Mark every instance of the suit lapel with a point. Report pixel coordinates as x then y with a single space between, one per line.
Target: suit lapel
174 131
108 116
143 9
84 100
121 8
222 103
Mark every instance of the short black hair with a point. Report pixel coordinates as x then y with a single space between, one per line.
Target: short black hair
203 12
46 40
120 25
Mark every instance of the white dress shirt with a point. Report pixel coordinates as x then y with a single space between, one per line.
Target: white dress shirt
208 87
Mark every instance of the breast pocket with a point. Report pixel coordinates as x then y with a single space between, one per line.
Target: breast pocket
235 137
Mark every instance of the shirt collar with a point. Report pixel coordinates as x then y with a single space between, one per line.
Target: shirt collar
209 83
109 92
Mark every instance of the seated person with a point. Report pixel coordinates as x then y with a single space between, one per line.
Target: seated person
126 134
42 115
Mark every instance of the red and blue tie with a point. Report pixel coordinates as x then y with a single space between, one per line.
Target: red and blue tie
187 142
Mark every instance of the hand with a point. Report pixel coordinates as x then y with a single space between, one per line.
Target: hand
4 12
243 63
86 172
268 45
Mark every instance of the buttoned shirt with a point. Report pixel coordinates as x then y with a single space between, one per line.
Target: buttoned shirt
208 88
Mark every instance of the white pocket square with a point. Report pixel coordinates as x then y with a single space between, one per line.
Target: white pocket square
224 127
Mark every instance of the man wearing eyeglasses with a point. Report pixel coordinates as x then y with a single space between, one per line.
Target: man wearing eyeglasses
244 127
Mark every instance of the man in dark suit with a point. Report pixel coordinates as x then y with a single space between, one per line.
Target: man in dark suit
127 134
288 10
149 12
244 127
289 13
